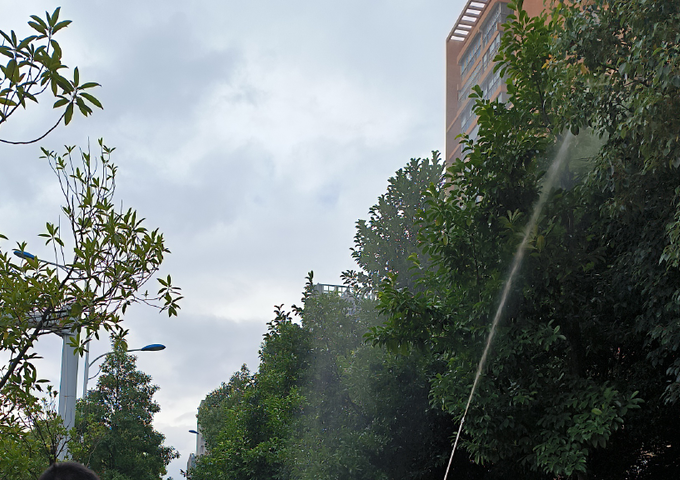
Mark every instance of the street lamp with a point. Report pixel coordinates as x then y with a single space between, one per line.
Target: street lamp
69 365
29 256
200 442
191 462
154 347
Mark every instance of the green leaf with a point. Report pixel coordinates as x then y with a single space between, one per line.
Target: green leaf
84 109
26 42
90 98
38 28
61 102
56 52
39 21
68 115
5 101
60 25
54 18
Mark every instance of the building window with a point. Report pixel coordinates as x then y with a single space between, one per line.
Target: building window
495 45
490 84
473 80
467 117
491 52
474 133
491 25
471 55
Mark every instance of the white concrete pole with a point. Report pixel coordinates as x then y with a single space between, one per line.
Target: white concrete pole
67 390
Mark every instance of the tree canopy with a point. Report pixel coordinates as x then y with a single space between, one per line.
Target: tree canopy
324 403
384 243
114 430
102 260
103 256
582 376
99 271
26 453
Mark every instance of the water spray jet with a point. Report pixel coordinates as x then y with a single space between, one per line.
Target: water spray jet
516 263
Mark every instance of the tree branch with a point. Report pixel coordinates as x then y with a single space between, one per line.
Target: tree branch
28 142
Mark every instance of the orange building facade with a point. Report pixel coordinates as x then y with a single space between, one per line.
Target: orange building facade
470 48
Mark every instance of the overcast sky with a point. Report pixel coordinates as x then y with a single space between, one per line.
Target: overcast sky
253 134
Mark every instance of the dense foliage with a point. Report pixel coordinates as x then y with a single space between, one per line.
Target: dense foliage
25 453
103 258
248 421
384 243
324 403
582 379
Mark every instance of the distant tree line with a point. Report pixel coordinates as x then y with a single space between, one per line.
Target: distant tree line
324 403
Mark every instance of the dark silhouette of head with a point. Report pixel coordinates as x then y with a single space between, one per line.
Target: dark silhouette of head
68 471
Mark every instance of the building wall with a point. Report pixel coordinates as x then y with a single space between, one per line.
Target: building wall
470 48
200 446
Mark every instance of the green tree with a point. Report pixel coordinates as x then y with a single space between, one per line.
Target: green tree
25 453
34 66
591 326
395 388
217 418
623 60
384 242
590 320
333 438
359 411
112 256
114 434
366 412
628 90
257 412
211 417
19 460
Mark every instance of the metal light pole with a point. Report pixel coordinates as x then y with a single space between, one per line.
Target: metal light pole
154 347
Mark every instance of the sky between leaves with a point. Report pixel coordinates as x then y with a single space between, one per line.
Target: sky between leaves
254 135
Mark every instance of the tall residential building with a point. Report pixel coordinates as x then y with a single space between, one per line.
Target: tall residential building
470 48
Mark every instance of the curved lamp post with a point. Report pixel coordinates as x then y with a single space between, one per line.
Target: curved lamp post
154 347
29 256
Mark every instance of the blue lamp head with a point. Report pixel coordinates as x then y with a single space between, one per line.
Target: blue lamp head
23 254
